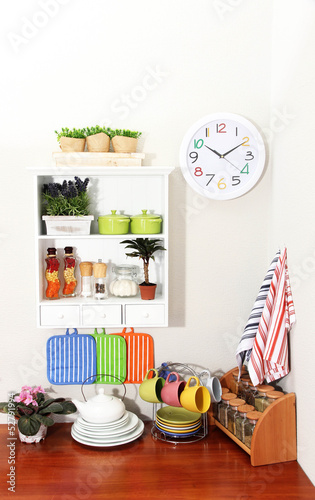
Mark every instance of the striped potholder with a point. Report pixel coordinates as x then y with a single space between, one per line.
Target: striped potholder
71 358
111 358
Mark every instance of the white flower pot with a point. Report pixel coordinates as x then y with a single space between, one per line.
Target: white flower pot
41 434
68 225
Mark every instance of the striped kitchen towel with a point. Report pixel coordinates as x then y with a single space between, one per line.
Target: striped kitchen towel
71 358
246 343
269 357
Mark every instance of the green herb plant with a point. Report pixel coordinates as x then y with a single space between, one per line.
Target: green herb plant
68 198
125 133
75 133
143 248
97 130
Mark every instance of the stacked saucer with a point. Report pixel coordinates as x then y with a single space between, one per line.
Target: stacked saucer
128 428
177 422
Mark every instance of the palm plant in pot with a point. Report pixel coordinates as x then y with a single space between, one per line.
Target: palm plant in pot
71 140
98 139
32 408
125 141
144 248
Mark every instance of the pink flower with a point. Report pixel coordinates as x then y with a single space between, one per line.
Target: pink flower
38 389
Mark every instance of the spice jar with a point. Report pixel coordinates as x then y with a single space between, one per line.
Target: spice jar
272 396
234 382
249 426
232 412
261 396
223 406
68 273
51 275
240 420
86 270
252 394
215 406
99 269
244 388
125 284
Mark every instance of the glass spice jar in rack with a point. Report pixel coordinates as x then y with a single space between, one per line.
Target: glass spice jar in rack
240 421
232 412
223 407
51 274
70 281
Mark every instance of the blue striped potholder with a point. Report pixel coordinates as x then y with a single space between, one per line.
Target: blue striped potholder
71 358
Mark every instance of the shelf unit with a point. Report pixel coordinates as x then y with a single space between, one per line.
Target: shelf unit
127 189
274 437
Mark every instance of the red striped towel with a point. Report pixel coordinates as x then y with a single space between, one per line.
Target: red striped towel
269 358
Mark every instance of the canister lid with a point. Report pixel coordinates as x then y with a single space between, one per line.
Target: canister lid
246 408
51 251
225 390
68 250
265 387
275 394
237 402
115 216
144 215
254 415
228 396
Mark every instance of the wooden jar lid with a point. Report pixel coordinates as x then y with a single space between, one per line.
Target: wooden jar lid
237 402
275 394
225 390
86 268
265 388
246 408
99 269
254 415
228 396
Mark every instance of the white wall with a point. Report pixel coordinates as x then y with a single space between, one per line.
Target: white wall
157 68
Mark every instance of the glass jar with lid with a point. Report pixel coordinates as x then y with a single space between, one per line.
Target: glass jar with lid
244 389
223 406
261 396
234 382
249 426
215 406
51 274
240 420
272 396
251 394
125 284
232 412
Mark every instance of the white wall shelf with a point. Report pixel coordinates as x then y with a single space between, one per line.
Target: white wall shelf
127 190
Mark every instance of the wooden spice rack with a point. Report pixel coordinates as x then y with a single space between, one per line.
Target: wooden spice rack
274 437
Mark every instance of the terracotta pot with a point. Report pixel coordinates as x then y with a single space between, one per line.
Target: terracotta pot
147 291
69 144
98 143
41 434
123 144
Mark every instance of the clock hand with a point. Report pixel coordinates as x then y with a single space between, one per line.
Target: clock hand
228 152
232 164
214 151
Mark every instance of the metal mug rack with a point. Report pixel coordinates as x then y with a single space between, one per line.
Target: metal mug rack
162 436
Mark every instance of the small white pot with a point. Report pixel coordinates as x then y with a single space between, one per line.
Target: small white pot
41 434
67 225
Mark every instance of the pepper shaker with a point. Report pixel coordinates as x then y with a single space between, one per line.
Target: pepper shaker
99 269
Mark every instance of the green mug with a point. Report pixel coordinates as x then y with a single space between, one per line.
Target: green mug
150 389
195 398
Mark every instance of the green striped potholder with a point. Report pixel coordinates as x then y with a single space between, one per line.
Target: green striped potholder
111 355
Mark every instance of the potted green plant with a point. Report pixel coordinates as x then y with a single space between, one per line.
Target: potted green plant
66 207
32 409
71 140
125 141
97 139
144 248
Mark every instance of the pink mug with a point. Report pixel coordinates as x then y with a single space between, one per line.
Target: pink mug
172 390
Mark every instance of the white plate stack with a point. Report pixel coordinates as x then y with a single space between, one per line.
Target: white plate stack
128 428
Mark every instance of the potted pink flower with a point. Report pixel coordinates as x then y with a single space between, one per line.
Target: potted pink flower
32 408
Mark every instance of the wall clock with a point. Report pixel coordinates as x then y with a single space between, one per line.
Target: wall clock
222 156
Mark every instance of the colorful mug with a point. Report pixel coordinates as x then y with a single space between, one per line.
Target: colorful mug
213 385
150 389
172 390
195 398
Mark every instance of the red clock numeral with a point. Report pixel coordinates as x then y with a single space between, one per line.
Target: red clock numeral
220 128
198 172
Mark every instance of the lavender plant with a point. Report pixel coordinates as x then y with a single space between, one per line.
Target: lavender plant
68 198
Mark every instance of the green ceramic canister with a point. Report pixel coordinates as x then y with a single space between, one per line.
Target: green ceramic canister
145 223
113 223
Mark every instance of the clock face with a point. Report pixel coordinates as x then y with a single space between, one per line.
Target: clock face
222 156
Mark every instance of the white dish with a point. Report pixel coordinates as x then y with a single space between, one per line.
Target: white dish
130 425
114 442
115 423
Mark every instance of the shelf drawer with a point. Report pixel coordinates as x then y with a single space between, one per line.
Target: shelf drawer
145 314
101 315
59 315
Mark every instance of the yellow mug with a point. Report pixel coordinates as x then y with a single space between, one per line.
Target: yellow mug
195 398
150 389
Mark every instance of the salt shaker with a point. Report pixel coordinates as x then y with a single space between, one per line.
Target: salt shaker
86 270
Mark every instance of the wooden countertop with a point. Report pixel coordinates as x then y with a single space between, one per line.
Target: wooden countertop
215 467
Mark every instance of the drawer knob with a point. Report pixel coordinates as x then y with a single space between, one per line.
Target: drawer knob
145 315
104 315
60 316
